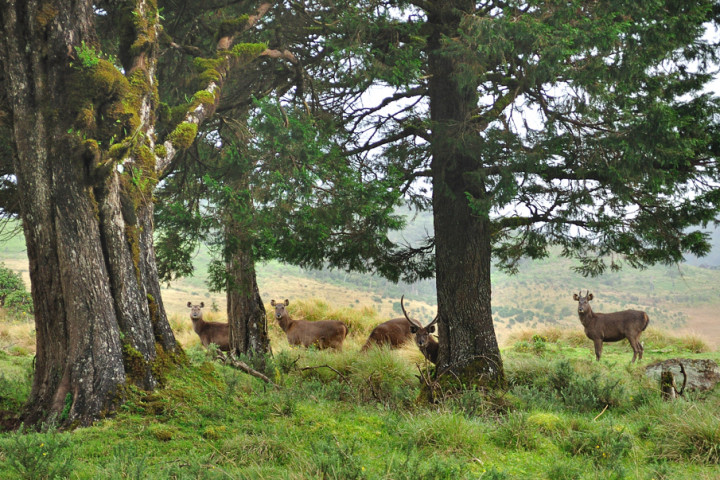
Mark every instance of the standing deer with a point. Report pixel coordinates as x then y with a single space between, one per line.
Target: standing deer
323 333
611 327
423 338
209 332
394 332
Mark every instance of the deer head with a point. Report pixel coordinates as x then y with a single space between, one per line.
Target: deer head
196 310
422 334
280 308
583 302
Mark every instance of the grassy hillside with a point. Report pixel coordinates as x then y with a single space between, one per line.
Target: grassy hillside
680 298
347 415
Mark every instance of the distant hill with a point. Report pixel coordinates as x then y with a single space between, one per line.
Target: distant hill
712 260
681 298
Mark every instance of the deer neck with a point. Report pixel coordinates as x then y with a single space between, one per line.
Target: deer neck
198 325
587 318
285 322
430 350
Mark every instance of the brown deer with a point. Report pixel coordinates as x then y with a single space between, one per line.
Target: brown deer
322 333
423 338
611 327
209 332
394 332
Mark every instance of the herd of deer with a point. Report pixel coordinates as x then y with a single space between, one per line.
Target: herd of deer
599 327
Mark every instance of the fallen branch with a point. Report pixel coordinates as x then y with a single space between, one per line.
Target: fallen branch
603 411
325 366
229 359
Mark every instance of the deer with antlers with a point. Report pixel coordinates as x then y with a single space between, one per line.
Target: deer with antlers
423 335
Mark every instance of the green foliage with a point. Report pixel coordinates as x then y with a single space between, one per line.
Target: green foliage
9 282
13 295
38 455
87 55
334 460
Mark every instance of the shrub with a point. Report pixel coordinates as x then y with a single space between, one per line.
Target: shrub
13 294
19 302
606 446
584 394
9 282
38 455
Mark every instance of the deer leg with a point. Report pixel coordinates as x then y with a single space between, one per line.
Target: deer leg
636 348
598 348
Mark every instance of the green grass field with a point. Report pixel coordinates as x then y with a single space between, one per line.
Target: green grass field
348 415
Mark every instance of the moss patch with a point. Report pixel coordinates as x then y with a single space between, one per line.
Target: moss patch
183 136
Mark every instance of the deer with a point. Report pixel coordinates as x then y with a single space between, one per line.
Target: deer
423 338
209 332
322 333
394 332
611 327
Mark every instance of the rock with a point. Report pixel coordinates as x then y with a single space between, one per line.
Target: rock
702 375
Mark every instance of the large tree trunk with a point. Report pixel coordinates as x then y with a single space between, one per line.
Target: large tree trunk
468 344
91 266
245 309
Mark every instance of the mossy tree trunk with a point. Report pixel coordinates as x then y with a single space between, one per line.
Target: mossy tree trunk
88 222
245 310
468 345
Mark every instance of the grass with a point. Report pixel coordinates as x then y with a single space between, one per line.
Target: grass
349 415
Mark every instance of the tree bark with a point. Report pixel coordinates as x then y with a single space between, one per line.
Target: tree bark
468 345
91 260
245 309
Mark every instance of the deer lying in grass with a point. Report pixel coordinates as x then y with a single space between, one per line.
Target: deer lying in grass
394 332
611 327
423 338
322 334
209 332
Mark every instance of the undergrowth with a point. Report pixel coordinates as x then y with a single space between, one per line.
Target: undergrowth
352 415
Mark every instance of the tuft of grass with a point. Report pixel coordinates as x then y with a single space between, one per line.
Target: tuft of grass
516 432
657 340
688 435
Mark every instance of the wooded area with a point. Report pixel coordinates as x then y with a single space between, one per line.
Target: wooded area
133 131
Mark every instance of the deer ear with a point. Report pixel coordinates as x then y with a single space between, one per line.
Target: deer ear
272 302
413 329
431 329
202 304
590 296
189 304
575 297
287 302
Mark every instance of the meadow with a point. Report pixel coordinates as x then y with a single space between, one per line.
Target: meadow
353 415
349 415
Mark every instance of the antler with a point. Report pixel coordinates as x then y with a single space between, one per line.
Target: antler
402 305
414 322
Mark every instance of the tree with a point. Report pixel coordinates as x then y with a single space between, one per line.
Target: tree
89 141
270 181
579 124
